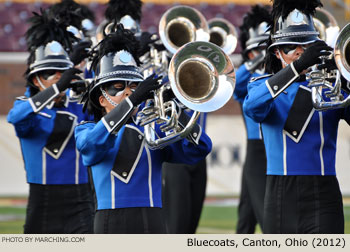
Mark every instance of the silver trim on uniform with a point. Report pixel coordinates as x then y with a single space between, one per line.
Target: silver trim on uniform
295 34
35 108
284 154
196 137
150 177
127 179
302 131
62 147
77 155
120 72
322 142
43 179
41 62
112 192
274 95
111 129
44 114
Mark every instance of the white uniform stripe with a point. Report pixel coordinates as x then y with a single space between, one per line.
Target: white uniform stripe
76 167
112 192
322 143
260 132
284 155
44 167
150 177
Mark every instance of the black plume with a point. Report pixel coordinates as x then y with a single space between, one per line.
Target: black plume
122 39
97 112
116 9
252 19
67 12
87 13
44 29
284 7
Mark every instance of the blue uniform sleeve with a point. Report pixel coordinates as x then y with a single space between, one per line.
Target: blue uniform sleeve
22 117
258 102
187 152
242 78
93 141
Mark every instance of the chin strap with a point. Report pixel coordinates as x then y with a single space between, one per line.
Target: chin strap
40 83
281 58
114 104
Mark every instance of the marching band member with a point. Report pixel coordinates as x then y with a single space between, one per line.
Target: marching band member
126 12
75 14
302 192
79 20
129 13
251 204
126 173
60 199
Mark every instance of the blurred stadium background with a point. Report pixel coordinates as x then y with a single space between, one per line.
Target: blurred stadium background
225 126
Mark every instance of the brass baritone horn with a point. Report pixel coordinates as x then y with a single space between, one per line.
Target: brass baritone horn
223 34
326 25
320 79
202 78
180 25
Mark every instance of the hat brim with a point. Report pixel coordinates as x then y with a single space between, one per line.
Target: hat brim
294 41
124 77
38 69
256 42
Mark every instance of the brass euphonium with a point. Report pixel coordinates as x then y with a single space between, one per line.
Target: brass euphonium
223 34
202 78
321 79
180 25
154 61
326 25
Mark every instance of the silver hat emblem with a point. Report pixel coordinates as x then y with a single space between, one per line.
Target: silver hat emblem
297 17
54 48
262 28
123 58
129 23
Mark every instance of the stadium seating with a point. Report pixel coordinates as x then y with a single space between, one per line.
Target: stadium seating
13 18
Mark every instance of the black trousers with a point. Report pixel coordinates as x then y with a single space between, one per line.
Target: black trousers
59 209
135 220
303 205
251 204
183 196
246 222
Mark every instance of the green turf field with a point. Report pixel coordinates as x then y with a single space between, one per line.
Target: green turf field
217 220
214 220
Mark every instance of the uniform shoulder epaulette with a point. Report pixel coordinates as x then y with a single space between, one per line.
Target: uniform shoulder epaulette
22 98
260 77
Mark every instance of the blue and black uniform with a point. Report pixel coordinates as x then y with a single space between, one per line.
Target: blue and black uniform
251 205
60 197
127 174
302 191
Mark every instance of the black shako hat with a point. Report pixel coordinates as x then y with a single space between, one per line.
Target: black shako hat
293 23
47 43
254 29
74 14
115 59
126 12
